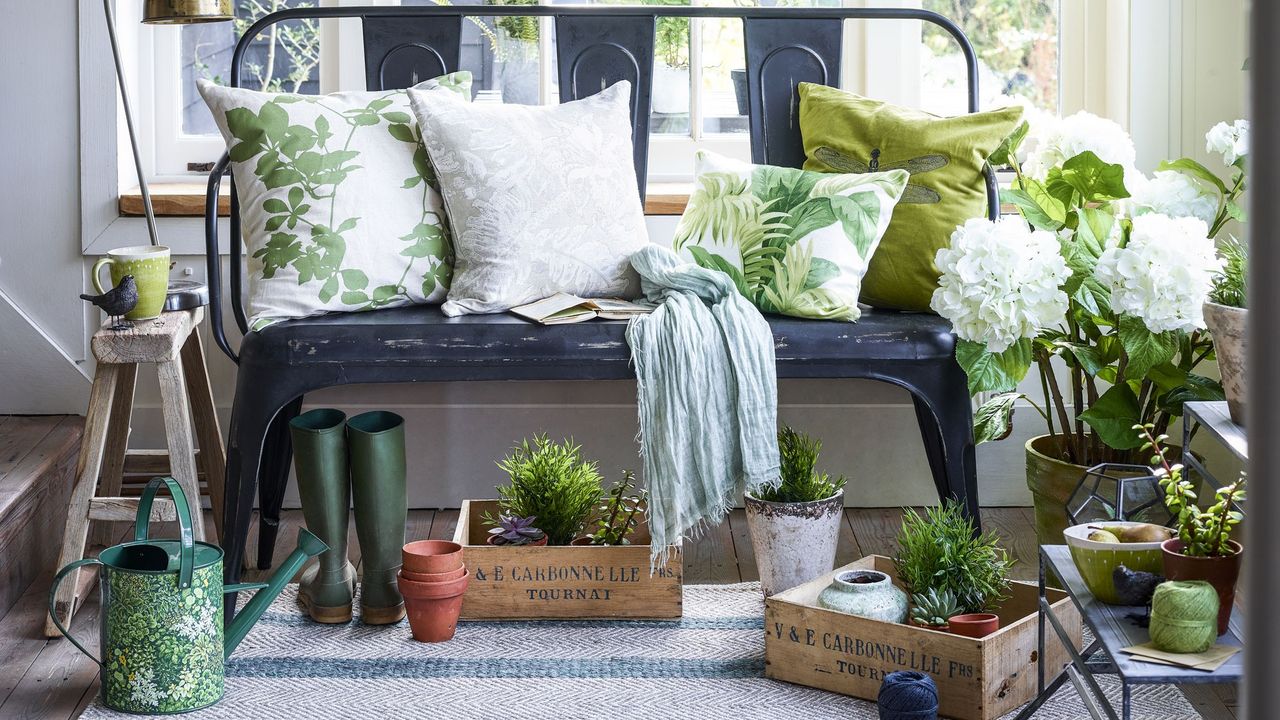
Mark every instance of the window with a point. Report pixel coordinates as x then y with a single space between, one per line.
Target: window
699 87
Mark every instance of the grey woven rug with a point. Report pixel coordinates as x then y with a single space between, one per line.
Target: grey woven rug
710 664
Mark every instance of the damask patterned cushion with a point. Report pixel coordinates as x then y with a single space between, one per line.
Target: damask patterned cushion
541 199
339 208
795 242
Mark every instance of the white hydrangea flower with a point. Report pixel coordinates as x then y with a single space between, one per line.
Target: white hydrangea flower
1000 282
1164 274
1172 193
1229 141
1059 140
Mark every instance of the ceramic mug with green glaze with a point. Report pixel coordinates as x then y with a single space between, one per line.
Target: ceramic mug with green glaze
149 266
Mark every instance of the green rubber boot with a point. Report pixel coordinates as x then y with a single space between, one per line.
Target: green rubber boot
320 461
378 486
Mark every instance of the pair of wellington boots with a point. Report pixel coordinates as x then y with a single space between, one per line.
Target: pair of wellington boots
338 460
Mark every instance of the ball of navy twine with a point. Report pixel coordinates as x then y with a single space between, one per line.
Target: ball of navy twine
908 695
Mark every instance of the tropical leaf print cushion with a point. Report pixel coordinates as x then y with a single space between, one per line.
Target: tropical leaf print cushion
795 242
339 206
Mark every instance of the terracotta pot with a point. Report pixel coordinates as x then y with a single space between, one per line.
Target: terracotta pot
433 608
1231 345
434 577
974 625
538 543
1220 572
794 542
431 556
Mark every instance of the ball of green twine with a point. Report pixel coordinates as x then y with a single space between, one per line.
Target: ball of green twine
1184 616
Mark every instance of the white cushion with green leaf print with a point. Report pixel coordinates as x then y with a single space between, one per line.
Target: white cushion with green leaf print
339 207
795 242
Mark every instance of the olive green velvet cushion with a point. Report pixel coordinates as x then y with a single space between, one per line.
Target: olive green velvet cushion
844 132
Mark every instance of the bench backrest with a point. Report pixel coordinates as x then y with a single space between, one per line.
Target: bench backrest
595 47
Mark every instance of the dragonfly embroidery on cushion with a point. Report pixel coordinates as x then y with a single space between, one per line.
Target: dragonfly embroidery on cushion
914 193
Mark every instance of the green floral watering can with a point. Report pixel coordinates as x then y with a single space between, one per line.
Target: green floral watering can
162 640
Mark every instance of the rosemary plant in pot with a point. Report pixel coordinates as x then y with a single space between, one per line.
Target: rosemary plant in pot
795 525
1099 285
955 577
1203 548
552 483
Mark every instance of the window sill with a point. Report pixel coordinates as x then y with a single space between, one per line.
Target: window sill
186 199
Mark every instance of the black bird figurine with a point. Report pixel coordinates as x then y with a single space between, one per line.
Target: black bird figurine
117 301
1135 587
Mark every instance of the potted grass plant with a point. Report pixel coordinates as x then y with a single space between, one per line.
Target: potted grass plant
553 483
1098 287
1203 548
949 569
794 525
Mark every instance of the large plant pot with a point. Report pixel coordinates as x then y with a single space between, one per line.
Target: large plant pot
670 92
793 542
1051 482
1220 572
1227 326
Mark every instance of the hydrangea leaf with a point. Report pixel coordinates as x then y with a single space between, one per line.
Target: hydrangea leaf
1113 416
994 418
1145 349
994 372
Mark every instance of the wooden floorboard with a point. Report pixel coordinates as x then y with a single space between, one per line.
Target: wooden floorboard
42 678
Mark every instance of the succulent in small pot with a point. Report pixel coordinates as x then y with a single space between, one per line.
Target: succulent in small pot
933 609
512 530
620 513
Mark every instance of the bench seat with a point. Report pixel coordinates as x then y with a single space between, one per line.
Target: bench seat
422 336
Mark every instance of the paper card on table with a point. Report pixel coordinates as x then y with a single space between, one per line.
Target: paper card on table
1209 660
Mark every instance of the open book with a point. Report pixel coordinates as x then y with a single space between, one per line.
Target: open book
563 308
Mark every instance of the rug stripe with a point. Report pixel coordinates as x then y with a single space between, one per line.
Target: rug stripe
725 623
419 668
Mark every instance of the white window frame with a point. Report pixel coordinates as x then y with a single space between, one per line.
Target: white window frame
167 150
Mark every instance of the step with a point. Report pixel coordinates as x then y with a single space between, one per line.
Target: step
37 469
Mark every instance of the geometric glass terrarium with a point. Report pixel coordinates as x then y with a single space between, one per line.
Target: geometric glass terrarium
1115 491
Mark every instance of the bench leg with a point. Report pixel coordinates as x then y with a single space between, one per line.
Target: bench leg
258 399
273 480
945 415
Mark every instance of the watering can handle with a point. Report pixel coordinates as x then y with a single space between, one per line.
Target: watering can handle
53 602
142 524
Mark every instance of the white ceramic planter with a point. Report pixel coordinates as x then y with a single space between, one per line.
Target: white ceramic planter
794 542
1231 344
670 89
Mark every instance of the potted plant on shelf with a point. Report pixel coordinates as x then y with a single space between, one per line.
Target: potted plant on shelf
1100 286
933 609
940 554
794 526
619 515
512 530
1203 548
670 93
1227 318
552 482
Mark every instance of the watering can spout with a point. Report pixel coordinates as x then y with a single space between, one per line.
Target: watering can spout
308 546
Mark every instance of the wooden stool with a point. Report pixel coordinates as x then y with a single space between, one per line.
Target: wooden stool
173 345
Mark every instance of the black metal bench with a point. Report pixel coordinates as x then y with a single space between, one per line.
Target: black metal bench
595 45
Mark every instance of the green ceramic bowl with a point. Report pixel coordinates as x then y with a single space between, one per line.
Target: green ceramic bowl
1096 561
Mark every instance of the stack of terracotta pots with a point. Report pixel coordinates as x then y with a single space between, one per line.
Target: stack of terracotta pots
432 581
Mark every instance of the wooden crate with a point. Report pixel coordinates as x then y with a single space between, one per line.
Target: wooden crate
509 583
976 679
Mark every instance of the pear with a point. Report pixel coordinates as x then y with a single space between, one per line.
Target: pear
1142 533
1103 536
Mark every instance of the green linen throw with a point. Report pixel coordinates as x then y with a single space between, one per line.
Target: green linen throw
707 393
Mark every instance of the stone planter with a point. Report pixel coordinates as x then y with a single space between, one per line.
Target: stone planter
865 593
670 92
1228 325
794 542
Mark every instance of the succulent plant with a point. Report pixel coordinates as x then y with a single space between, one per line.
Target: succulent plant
618 514
933 607
512 530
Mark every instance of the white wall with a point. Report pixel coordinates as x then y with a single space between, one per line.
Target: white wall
1181 70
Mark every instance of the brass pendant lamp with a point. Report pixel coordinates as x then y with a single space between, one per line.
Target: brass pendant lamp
184 12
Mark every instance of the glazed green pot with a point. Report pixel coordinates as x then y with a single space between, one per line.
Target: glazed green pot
162 640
